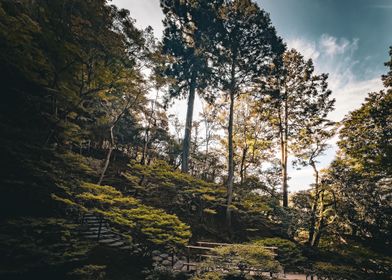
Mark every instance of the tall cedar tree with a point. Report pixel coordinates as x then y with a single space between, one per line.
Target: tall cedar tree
299 100
184 42
246 43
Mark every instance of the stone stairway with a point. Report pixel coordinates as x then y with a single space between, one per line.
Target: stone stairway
95 227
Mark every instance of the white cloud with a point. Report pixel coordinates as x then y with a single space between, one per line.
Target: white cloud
307 48
351 95
333 46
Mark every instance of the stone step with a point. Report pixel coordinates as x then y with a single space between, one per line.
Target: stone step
89 220
101 236
90 229
117 244
95 224
109 241
96 229
91 217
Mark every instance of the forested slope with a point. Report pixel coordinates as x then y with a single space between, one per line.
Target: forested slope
83 132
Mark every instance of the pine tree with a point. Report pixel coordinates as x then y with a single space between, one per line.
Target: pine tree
246 43
186 24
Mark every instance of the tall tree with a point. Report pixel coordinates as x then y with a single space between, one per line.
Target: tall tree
246 42
297 95
184 42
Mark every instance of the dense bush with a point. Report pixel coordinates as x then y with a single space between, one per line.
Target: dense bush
289 254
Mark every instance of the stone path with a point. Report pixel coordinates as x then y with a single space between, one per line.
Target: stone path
96 228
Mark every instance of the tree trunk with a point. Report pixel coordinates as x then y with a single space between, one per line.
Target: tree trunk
107 160
147 134
319 225
314 205
243 166
284 174
283 146
188 128
230 177
205 167
145 146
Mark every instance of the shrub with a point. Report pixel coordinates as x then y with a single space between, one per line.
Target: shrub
289 253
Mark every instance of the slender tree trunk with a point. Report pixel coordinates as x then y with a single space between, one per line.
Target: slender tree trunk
147 134
230 177
145 146
188 128
243 166
319 225
284 172
205 173
314 205
112 144
284 153
107 160
207 135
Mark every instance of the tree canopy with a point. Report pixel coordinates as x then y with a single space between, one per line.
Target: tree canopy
99 181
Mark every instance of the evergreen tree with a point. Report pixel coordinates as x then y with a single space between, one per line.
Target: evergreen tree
298 100
245 43
186 24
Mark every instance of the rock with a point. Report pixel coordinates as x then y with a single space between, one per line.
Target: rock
178 265
164 256
157 259
166 263
184 268
155 253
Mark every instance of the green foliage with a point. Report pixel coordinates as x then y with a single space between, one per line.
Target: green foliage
89 272
289 254
161 273
75 92
240 257
139 222
338 272
366 133
361 261
209 276
159 184
361 175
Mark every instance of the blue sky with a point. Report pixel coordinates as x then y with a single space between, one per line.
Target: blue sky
349 39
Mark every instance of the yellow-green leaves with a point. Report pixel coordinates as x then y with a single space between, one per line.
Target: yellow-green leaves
140 222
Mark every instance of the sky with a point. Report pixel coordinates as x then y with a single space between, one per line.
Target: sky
349 39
